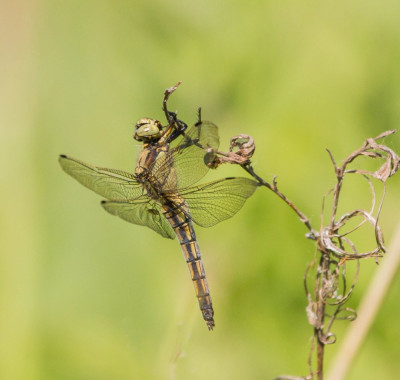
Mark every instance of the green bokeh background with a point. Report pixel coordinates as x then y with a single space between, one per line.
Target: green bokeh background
88 296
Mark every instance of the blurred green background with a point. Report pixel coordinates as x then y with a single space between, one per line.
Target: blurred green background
87 296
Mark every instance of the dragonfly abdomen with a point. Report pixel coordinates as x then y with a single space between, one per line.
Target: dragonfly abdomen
184 230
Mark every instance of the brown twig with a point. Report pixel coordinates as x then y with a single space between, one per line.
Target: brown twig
333 245
167 94
242 156
330 290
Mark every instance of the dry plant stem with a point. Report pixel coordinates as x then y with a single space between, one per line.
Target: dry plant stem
320 359
368 309
167 94
321 305
333 246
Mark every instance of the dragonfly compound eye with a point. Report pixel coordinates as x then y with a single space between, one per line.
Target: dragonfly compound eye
147 129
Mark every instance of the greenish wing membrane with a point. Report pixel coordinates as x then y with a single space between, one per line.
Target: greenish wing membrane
175 170
188 157
213 202
141 212
109 183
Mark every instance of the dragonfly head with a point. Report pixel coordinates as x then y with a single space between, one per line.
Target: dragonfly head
147 129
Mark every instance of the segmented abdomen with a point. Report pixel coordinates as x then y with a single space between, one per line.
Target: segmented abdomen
178 217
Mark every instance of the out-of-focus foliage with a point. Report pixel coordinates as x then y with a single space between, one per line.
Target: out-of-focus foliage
88 296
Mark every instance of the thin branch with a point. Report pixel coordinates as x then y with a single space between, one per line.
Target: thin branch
330 243
167 94
326 301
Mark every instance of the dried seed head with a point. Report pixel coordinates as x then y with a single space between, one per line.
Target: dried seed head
245 149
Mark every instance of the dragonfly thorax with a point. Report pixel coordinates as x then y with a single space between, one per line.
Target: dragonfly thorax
149 183
147 130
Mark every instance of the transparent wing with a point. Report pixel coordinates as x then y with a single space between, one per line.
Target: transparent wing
142 212
213 202
109 183
188 158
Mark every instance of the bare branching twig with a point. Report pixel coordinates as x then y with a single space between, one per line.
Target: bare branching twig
329 290
326 303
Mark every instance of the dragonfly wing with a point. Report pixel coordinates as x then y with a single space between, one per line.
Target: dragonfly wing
142 212
213 202
189 157
109 183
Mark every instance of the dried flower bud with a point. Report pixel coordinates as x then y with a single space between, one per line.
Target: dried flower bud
245 151
246 146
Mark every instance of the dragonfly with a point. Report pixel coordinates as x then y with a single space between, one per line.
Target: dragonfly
163 193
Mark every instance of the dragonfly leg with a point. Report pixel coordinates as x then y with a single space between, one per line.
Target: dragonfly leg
180 127
198 122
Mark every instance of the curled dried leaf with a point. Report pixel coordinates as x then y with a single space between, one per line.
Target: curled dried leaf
328 338
390 166
245 144
384 172
245 149
392 162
